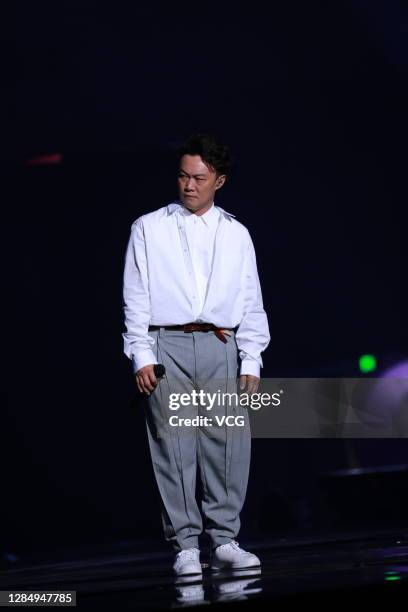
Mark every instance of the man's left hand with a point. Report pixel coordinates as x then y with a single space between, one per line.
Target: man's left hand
248 383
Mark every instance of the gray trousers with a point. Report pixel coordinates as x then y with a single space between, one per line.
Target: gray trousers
200 361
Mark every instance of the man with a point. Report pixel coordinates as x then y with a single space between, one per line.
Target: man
193 302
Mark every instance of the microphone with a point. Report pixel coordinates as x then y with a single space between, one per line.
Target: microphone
159 370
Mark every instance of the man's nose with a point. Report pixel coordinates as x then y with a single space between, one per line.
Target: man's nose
189 186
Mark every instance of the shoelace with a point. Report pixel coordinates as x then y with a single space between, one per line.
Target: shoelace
236 546
188 553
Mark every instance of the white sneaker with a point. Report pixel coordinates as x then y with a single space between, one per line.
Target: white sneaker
232 556
187 562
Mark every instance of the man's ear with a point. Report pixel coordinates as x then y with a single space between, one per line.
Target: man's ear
220 181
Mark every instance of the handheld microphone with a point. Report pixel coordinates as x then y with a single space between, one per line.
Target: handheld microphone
159 370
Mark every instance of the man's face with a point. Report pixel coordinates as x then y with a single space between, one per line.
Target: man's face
197 183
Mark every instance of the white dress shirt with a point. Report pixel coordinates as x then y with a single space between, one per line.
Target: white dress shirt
201 230
180 268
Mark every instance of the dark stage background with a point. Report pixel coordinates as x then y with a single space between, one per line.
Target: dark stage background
312 98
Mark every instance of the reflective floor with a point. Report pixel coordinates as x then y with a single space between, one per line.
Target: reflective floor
321 570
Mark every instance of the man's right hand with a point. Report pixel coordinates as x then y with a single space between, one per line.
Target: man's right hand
146 379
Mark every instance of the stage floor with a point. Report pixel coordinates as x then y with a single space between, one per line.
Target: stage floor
336 568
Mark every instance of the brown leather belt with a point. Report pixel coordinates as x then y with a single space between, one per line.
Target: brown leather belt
203 327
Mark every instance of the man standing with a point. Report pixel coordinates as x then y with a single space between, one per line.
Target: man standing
193 302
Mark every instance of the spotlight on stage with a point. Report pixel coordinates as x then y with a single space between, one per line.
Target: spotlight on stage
367 363
382 403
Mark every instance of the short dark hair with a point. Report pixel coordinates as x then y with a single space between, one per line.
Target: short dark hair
212 151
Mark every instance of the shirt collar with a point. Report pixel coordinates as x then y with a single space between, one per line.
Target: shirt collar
177 206
209 218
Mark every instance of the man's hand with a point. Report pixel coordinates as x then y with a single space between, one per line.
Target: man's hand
145 379
249 383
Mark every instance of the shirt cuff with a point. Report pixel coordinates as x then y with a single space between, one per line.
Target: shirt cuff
249 366
142 359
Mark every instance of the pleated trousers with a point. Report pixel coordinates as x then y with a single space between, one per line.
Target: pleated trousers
221 450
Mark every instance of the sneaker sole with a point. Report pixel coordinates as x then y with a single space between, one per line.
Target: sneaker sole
234 566
188 573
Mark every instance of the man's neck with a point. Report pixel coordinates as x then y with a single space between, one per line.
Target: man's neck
202 211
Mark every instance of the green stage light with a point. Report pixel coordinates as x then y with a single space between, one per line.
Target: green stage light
367 363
